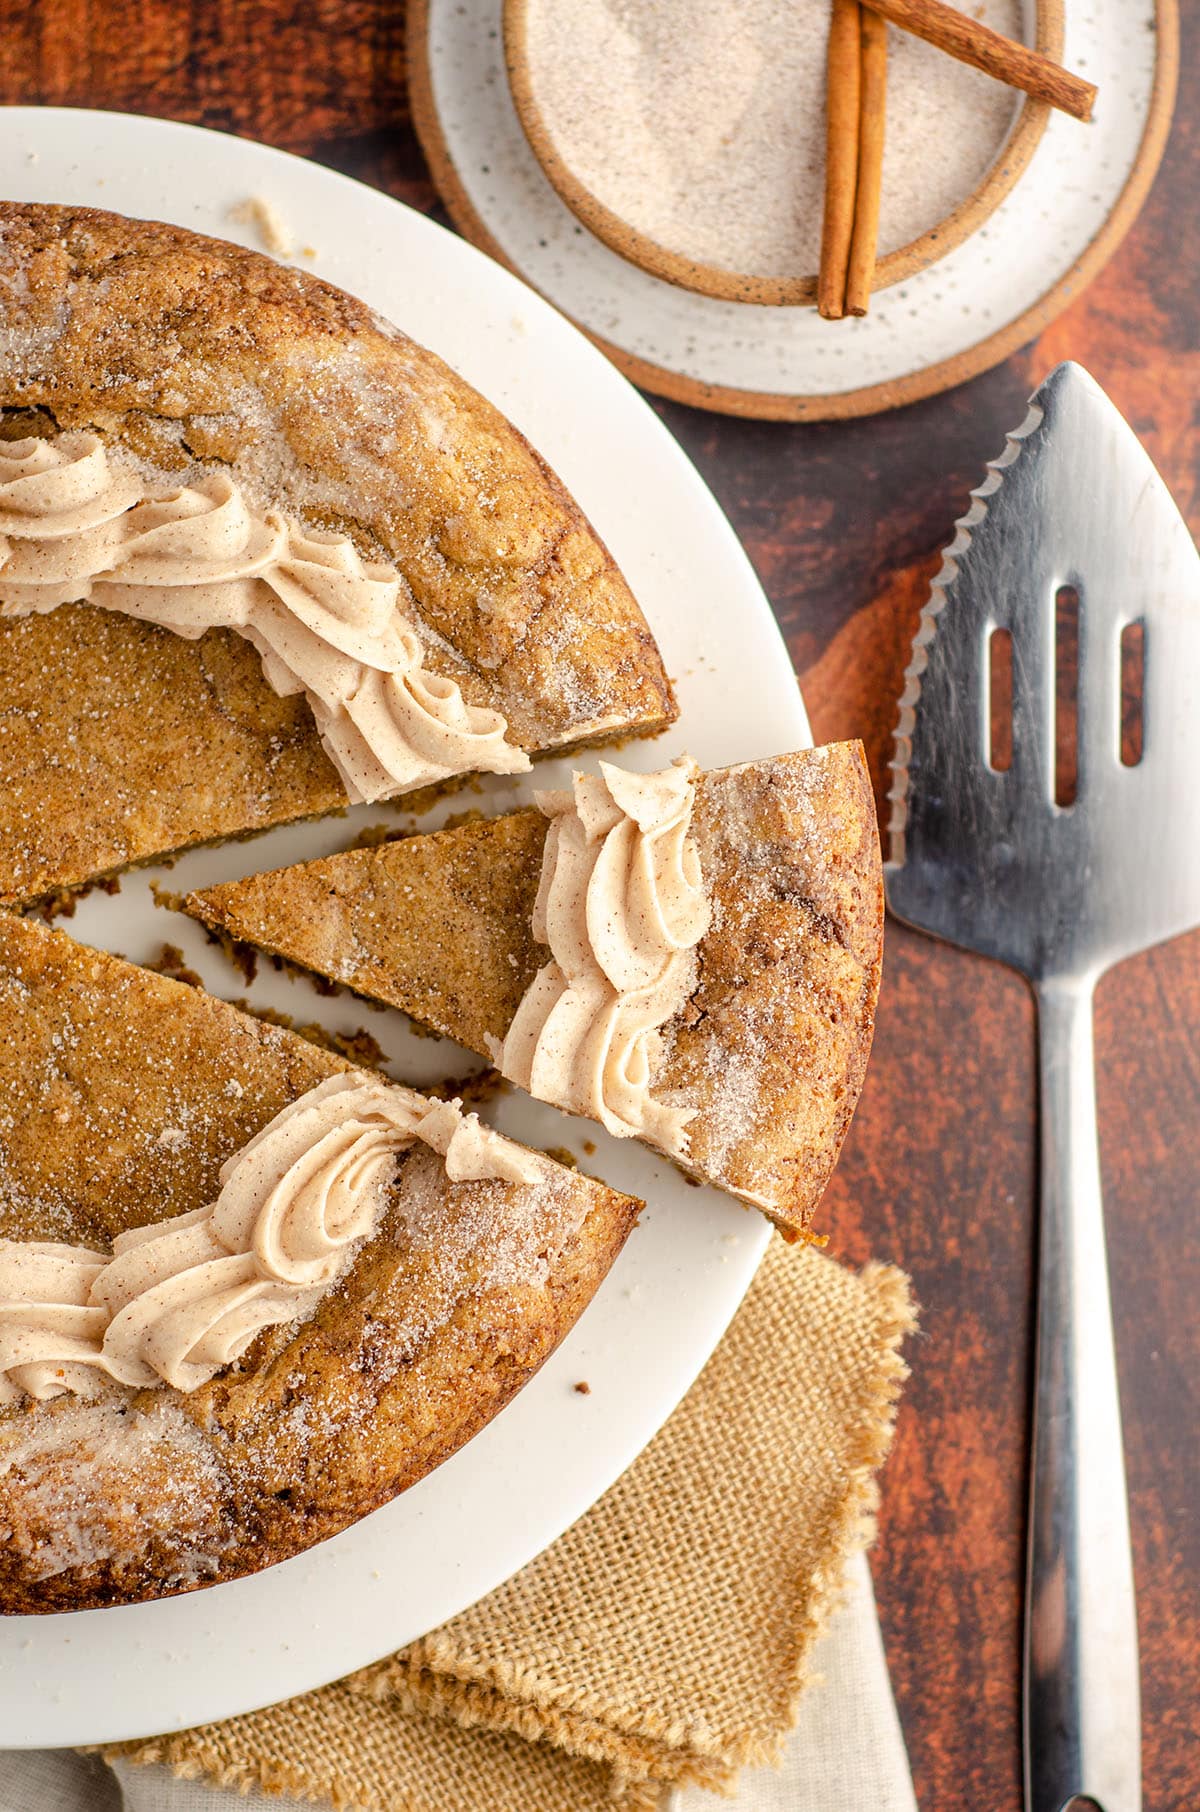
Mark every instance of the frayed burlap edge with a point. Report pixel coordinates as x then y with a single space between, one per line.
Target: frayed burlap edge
211 1755
274 1779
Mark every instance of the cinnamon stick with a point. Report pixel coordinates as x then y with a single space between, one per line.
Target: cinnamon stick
988 50
872 107
841 156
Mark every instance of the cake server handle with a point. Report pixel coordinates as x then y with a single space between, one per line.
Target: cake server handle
1082 1716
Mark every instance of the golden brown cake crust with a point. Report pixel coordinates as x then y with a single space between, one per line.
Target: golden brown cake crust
772 1045
122 1092
192 354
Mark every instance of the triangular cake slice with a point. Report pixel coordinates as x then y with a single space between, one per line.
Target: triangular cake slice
195 370
124 1094
768 1048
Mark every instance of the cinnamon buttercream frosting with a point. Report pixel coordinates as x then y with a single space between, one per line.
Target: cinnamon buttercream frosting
178 1301
622 905
76 527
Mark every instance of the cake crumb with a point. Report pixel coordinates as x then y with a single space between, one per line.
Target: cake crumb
360 1048
372 835
169 962
257 212
244 958
164 897
471 1089
357 1047
584 1388
61 903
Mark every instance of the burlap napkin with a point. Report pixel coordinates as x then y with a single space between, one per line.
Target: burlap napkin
665 1637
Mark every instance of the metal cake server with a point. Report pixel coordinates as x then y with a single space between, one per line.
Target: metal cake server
986 859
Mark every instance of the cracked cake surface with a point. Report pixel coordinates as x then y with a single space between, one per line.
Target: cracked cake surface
121 1094
189 356
771 1045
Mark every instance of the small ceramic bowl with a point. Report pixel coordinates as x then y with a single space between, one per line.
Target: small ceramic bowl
735 286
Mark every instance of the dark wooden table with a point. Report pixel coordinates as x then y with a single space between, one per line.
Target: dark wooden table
844 523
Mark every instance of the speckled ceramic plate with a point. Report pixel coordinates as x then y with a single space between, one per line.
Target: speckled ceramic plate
1077 198
98 1676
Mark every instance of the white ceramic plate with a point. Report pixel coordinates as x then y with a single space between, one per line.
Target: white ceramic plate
96 1676
959 315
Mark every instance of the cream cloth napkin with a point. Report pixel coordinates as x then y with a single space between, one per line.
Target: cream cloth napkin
659 1647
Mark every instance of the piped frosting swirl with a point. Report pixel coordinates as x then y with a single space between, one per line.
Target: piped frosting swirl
180 1300
622 906
75 527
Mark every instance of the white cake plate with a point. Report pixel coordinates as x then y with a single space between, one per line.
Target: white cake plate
99 1676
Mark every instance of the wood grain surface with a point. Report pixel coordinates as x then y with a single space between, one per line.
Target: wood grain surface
844 523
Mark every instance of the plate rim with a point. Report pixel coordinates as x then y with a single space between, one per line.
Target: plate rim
870 399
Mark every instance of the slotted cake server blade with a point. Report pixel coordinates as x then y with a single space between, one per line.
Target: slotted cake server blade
988 860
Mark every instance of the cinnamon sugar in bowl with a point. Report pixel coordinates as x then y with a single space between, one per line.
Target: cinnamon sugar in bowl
688 135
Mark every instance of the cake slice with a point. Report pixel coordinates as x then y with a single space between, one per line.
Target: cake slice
751 1069
130 1100
170 675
